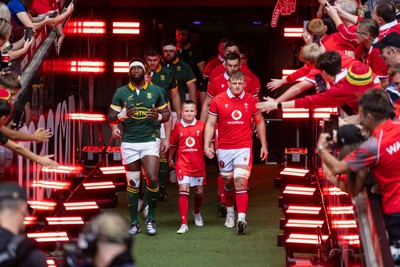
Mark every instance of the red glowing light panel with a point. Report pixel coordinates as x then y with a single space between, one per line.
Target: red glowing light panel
51 185
132 28
89 117
304 223
350 239
42 205
287 72
89 205
85 27
299 190
30 220
99 185
64 220
341 210
344 224
305 239
303 210
334 191
293 32
294 172
319 113
63 169
51 263
49 236
113 170
121 67
87 66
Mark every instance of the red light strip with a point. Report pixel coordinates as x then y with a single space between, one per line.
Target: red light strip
299 190
341 210
86 117
85 27
112 170
126 28
51 263
319 113
121 67
81 205
292 173
351 239
303 210
293 32
334 191
64 220
87 66
30 220
63 169
52 185
344 224
304 223
49 237
99 185
42 205
305 239
296 170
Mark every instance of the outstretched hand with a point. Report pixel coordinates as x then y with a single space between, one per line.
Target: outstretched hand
47 162
268 105
42 135
153 113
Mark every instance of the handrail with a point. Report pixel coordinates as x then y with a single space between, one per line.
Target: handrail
372 230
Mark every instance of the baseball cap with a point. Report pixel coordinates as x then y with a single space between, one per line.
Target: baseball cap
347 135
12 191
392 39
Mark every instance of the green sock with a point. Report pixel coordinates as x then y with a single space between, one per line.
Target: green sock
133 199
162 172
152 198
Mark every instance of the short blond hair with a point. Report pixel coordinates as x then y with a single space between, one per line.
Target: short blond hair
310 53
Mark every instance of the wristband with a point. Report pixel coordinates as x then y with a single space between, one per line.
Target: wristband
122 115
319 148
159 117
279 105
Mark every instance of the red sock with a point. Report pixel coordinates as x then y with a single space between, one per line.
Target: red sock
198 201
183 206
242 200
221 190
229 197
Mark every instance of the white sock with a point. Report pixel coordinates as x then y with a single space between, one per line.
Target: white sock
241 216
230 211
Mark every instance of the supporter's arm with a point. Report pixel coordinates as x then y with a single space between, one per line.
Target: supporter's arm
168 129
20 48
63 16
41 135
342 29
44 161
295 90
176 102
347 16
332 163
26 20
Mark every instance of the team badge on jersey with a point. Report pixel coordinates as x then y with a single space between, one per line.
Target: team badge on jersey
149 95
162 77
246 106
222 86
178 68
198 132
190 141
236 115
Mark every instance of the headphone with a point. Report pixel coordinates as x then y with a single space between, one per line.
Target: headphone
109 228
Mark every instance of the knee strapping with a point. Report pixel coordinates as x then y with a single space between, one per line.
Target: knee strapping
241 173
227 175
133 178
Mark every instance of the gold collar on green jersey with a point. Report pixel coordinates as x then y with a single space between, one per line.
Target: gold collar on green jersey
134 88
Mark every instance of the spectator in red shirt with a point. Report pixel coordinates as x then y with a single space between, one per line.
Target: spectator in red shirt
381 153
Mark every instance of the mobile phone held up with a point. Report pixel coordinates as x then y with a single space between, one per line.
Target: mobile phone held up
53 14
331 124
28 33
320 83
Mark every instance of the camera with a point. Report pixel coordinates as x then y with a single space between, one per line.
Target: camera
331 124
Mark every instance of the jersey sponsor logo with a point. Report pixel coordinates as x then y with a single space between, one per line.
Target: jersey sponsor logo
221 164
141 113
393 148
236 115
149 95
190 141
162 77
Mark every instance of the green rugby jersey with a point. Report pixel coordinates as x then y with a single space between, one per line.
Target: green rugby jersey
183 74
138 128
164 78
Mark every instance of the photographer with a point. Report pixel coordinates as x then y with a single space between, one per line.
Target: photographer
16 249
381 153
106 240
